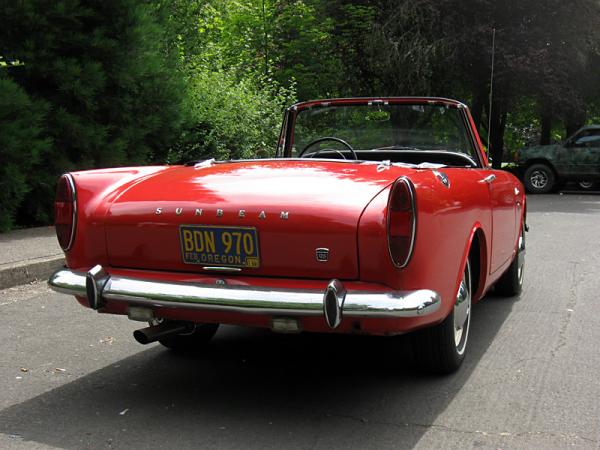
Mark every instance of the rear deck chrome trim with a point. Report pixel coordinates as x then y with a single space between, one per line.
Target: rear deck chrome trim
250 299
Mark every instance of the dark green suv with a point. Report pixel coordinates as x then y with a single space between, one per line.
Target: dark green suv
545 167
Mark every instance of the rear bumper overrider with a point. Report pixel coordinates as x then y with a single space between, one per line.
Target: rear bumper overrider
333 303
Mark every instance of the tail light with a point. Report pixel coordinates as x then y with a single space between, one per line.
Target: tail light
65 211
401 222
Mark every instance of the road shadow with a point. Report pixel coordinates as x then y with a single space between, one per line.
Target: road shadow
255 389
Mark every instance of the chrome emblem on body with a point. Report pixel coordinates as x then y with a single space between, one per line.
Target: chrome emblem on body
322 254
242 213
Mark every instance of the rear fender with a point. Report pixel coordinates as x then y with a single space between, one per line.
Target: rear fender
96 190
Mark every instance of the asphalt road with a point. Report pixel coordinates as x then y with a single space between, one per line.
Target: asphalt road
72 378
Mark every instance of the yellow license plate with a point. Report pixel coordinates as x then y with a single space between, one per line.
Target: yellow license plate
219 246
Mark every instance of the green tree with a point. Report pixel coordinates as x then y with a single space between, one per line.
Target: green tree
113 97
406 51
184 24
304 49
20 146
230 118
235 100
352 40
543 53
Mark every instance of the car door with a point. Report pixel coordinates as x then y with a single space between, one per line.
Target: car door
586 153
503 196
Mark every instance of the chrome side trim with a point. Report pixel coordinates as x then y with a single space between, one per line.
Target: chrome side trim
71 182
221 269
251 300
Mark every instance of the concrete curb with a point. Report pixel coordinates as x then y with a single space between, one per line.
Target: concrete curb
39 269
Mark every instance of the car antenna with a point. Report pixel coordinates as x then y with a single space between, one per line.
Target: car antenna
491 88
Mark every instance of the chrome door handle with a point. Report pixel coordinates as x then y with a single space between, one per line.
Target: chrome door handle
489 179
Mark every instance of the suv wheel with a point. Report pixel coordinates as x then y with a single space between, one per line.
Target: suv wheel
586 185
539 179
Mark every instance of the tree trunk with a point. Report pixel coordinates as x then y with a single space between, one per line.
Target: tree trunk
571 127
499 115
546 129
477 109
574 122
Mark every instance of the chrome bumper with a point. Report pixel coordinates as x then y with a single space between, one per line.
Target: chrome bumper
333 303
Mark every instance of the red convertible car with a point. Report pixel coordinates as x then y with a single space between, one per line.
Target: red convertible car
377 216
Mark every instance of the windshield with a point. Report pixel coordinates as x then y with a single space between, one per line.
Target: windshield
382 131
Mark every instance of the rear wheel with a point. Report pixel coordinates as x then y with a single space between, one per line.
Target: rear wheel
192 341
539 179
441 349
511 282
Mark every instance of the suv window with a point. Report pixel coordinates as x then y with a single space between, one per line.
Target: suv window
588 138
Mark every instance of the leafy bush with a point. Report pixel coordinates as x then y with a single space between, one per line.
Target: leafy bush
113 97
231 118
20 147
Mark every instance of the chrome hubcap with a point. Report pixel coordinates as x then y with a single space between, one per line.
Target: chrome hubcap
586 184
462 312
539 179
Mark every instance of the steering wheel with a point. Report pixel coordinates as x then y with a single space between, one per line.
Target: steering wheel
327 138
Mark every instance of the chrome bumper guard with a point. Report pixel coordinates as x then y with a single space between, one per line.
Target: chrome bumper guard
333 303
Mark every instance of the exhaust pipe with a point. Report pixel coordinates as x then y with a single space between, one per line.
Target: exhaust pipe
155 332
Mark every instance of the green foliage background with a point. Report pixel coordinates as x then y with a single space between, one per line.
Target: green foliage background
110 96
21 146
87 84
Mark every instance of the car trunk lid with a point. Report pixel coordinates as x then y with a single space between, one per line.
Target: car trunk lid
305 215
